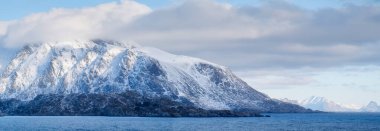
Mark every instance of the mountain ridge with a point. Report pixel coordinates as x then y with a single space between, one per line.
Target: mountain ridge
62 71
323 104
371 107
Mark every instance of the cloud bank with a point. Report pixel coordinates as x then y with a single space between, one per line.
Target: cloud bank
71 24
3 27
273 34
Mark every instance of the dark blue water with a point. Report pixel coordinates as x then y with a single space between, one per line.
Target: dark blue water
318 121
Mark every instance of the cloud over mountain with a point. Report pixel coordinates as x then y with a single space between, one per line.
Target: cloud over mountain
68 24
270 34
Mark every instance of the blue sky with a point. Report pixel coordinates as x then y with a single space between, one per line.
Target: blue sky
291 48
15 9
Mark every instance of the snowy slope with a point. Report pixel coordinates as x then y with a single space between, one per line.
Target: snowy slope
371 107
109 67
321 104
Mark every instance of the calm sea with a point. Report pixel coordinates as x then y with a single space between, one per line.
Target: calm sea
304 122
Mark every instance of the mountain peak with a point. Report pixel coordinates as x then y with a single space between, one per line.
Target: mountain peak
372 103
371 107
323 104
67 70
314 100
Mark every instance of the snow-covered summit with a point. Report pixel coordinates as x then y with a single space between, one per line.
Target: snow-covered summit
314 100
371 107
323 104
110 67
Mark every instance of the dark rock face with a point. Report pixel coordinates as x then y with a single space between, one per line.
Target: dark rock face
147 77
124 104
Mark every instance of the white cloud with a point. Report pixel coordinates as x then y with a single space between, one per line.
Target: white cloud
346 84
279 79
268 35
3 27
68 24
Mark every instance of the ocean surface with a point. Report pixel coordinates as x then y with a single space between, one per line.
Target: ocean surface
304 122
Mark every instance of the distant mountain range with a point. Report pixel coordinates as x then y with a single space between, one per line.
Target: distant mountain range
111 78
323 104
371 107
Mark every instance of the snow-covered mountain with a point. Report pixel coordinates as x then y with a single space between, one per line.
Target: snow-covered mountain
371 107
65 77
321 104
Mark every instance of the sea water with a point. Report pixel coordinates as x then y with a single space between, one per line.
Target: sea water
304 122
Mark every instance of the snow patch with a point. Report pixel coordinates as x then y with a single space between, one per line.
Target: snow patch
112 67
